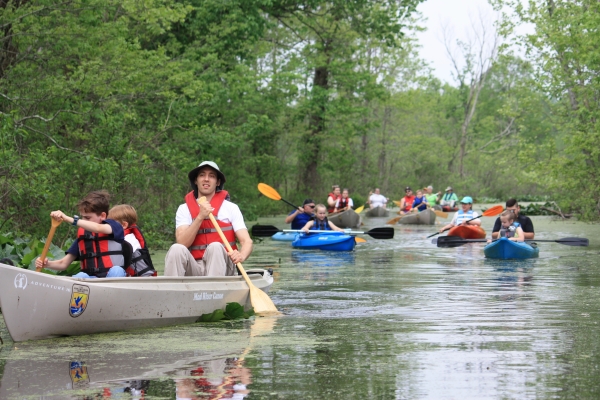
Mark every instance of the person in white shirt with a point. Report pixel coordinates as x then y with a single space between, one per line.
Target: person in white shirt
199 250
377 199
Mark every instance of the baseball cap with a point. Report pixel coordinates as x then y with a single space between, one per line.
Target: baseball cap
467 200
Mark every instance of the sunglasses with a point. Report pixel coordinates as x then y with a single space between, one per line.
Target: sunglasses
310 206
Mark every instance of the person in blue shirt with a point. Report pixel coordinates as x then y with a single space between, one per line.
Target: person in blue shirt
298 218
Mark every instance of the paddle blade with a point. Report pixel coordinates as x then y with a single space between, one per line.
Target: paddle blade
490 212
268 191
359 209
393 221
385 232
359 240
264 230
441 214
573 241
261 302
450 241
397 202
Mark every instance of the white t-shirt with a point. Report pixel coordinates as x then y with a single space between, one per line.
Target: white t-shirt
132 240
229 213
377 200
350 203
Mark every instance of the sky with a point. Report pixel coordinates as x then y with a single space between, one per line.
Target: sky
457 16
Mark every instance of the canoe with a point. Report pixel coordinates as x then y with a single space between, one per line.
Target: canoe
284 236
425 217
345 219
324 240
505 249
377 212
467 232
38 306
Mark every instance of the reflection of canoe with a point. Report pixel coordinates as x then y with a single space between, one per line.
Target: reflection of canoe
325 240
284 236
425 217
377 212
345 219
37 305
467 232
506 249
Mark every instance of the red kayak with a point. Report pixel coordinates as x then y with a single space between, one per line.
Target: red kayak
449 209
467 232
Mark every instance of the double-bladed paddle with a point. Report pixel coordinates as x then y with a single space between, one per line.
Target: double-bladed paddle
272 193
490 212
455 241
269 230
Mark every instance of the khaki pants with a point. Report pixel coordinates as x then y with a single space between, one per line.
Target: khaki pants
180 262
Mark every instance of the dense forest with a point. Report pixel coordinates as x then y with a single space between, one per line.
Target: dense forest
129 96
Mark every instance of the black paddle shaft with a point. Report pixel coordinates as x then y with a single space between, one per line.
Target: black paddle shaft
385 232
455 241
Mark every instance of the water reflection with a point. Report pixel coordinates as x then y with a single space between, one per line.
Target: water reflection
318 258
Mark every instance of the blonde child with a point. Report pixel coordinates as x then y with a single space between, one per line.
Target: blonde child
141 263
510 228
320 222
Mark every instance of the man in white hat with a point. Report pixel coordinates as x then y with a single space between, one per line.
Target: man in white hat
199 250
449 199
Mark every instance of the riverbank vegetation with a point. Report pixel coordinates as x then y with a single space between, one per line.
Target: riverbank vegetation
129 96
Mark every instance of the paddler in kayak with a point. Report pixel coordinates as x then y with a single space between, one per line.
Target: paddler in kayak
462 217
344 203
510 228
298 218
523 220
320 221
449 199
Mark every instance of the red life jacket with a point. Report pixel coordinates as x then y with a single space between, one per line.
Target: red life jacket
343 203
332 208
98 252
408 202
207 233
141 263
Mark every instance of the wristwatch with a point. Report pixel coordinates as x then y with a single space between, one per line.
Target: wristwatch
75 219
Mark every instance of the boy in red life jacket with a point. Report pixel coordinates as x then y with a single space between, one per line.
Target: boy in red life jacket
99 240
141 263
199 250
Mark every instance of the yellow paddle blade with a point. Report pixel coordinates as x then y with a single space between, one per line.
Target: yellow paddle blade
397 202
490 212
394 221
441 214
268 191
359 209
359 240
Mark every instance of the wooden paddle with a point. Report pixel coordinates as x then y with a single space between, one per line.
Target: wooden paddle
261 302
270 230
490 212
55 224
455 241
271 193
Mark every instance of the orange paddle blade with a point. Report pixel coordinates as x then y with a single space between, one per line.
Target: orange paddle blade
397 202
359 240
268 191
490 212
394 221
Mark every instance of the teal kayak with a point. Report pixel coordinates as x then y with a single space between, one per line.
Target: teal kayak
284 236
324 240
505 249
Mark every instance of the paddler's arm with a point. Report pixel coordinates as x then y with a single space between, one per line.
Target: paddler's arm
238 256
185 234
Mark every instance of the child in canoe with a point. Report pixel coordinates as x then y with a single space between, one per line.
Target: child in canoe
320 222
464 216
510 228
420 202
141 263
99 244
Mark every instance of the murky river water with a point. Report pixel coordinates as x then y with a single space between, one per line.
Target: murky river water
395 319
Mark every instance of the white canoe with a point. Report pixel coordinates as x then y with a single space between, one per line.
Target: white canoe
37 305
346 219
377 212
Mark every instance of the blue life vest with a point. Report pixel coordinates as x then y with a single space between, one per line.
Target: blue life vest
462 216
320 225
422 201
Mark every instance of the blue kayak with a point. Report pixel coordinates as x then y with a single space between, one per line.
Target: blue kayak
324 240
284 236
505 249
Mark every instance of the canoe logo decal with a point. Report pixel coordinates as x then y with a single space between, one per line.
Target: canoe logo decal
79 300
21 281
78 373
